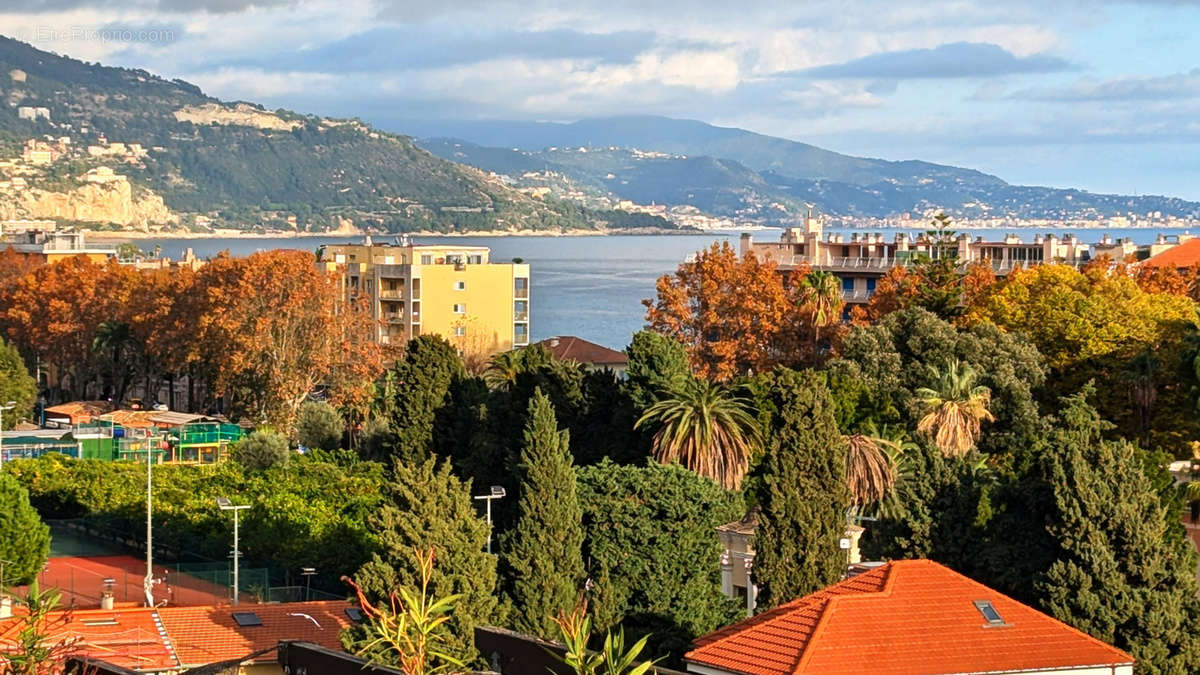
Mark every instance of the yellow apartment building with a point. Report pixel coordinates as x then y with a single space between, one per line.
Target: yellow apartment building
454 291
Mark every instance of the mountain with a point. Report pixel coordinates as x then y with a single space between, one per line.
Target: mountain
720 187
704 165
231 163
690 137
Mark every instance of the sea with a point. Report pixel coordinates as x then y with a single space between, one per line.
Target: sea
593 286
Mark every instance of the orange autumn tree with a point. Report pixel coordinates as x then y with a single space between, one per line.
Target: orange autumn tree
1162 279
733 315
270 328
54 312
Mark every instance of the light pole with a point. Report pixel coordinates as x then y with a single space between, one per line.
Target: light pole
227 505
307 573
148 582
496 492
7 406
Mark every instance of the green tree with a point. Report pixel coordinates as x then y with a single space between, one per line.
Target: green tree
651 551
422 382
426 506
802 494
892 359
656 363
705 427
319 426
24 538
542 560
16 385
1123 574
262 450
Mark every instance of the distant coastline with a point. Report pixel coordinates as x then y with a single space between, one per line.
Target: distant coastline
135 235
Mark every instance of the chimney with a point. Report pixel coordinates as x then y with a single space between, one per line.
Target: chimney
854 533
5 607
106 600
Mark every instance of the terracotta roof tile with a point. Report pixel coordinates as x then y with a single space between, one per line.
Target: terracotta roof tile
129 637
202 635
570 348
1176 257
908 617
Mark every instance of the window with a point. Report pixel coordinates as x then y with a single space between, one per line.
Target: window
460 285
520 334
871 285
848 284
989 613
460 331
521 287
460 308
247 619
426 260
354 614
474 260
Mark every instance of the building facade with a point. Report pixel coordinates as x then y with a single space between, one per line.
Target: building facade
453 291
859 260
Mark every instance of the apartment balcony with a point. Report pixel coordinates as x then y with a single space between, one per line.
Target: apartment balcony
853 264
393 318
391 295
857 295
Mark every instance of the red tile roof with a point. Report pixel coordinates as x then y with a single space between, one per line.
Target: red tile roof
1177 257
202 635
168 638
905 617
128 637
570 348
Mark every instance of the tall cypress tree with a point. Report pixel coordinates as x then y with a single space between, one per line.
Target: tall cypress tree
542 558
422 381
801 490
24 538
426 506
1122 575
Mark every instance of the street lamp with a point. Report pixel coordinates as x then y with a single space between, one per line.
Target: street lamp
307 573
227 505
7 406
496 492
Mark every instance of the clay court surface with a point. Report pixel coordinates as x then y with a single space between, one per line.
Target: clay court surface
81 580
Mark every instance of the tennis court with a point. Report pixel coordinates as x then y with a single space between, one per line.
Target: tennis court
82 581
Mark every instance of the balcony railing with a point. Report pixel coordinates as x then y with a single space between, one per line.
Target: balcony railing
857 295
391 295
880 264
393 318
521 293
520 316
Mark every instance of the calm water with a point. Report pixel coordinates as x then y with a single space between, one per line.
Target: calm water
591 287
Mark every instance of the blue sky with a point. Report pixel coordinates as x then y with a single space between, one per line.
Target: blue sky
1099 95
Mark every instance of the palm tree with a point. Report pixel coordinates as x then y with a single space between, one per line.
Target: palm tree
114 338
821 295
503 370
706 428
870 474
955 409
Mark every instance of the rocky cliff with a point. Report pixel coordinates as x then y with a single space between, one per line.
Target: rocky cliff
113 202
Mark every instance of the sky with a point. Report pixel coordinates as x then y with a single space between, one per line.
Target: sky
1103 96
